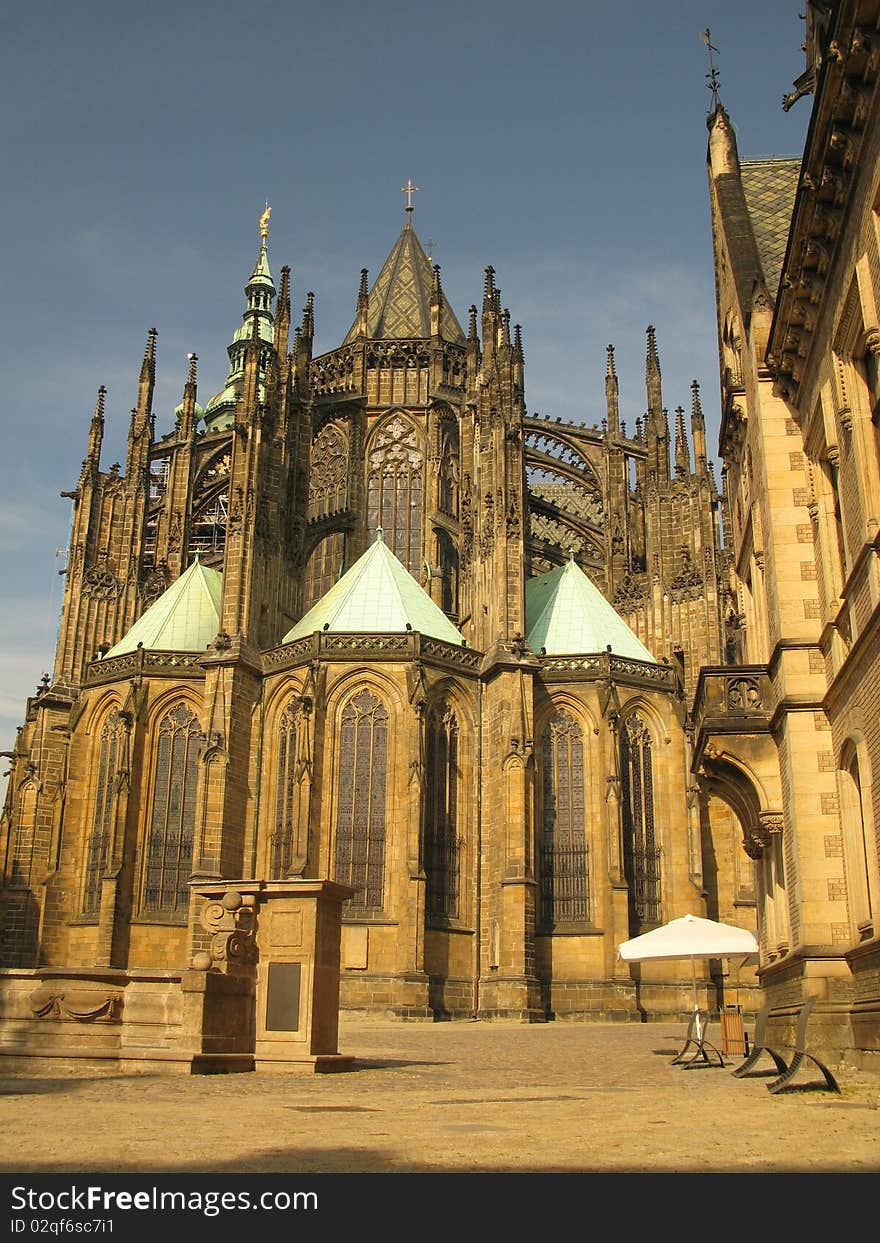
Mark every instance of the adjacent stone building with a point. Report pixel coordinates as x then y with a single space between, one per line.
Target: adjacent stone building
787 734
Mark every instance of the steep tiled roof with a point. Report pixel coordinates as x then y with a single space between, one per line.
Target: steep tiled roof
770 187
400 301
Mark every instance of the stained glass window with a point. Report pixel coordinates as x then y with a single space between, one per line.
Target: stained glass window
564 864
641 854
281 844
394 491
442 840
360 820
102 815
172 821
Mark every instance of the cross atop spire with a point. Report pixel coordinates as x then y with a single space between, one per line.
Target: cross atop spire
409 190
712 75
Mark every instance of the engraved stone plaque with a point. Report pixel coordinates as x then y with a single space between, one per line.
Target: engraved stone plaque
282 1001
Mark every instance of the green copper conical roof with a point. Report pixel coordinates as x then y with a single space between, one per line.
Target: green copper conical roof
399 303
185 618
567 614
377 595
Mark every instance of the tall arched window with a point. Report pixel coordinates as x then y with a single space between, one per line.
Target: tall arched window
360 820
170 838
449 457
102 816
323 568
394 491
856 842
564 867
641 854
281 843
442 842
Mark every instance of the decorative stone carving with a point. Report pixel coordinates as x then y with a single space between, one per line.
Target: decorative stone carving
77 1004
101 584
629 596
232 925
743 695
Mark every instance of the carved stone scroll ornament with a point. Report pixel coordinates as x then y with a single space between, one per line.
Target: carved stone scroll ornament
232 924
760 835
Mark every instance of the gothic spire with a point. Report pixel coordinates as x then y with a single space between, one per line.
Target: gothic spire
96 428
682 452
282 314
257 318
517 343
698 430
611 394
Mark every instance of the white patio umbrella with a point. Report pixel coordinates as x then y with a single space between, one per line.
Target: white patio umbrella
693 938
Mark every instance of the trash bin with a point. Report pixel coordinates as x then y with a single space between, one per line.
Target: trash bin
733 1037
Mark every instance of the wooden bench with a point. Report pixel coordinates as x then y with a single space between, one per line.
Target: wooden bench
787 1070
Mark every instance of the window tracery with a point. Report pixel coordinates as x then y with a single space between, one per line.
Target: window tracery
281 843
394 491
169 846
641 854
442 841
360 820
564 864
102 815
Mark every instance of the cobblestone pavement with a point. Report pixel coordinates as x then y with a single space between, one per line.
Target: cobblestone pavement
449 1097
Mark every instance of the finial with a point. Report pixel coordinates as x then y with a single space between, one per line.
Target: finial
99 404
379 535
193 361
696 405
490 281
712 75
362 291
409 190
652 344
570 555
264 221
517 341
472 323
150 351
610 351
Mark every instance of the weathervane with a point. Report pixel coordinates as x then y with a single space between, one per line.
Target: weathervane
264 221
712 75
409 190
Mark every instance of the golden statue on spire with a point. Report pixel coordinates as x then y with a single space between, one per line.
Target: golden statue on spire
264 222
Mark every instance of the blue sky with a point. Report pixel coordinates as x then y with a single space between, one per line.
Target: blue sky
564 143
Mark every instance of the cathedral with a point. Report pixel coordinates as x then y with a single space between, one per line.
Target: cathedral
361 616
360 619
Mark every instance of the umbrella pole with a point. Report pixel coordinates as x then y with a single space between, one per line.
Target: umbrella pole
696 1003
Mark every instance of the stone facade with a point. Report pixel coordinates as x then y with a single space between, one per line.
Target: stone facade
789 739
